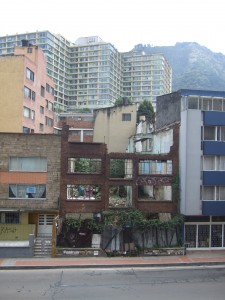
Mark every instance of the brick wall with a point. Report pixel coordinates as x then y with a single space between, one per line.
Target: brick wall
23 145
94 150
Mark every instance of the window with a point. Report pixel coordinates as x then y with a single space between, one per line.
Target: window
154 193
121 168
155 167
48 121
20 191
49 105
84 165
41 127
33 95
42 91
32 115
26 112
126 117
9 218
213 193
42 110
120 196
83 192
28 164
30 74
213 163
27 92
26 130
214 133
29 50
47 88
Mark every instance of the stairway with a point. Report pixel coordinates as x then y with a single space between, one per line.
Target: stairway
43 247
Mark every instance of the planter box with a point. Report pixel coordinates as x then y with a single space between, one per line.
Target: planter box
165 251
79 252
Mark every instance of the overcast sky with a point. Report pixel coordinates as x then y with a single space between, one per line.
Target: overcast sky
124 23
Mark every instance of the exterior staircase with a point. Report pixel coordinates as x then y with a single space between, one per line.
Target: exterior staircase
43 247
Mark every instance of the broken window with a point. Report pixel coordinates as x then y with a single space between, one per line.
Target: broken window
84 165
120 196
121 168
83 192
154 193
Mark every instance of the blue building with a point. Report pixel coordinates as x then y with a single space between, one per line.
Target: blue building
200 116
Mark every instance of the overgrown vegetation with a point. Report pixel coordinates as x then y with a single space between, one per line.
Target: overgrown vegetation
146 109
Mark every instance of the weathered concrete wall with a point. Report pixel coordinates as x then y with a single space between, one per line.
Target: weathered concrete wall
169 107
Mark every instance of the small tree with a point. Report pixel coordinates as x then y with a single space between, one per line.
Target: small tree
146 109
122 101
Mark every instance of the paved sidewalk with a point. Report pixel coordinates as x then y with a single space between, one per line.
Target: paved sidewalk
191 259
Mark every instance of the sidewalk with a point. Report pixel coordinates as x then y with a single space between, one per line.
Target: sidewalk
196 258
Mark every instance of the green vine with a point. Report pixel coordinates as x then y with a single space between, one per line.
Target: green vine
134 219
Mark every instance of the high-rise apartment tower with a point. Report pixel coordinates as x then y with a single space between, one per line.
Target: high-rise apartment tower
91 73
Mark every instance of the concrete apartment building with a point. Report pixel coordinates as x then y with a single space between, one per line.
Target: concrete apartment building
145 76
200 116
91 73
26 92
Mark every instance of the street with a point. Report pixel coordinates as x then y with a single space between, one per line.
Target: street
206 283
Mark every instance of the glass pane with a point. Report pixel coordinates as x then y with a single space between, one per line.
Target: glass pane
208 193
208 163
193 103
209 133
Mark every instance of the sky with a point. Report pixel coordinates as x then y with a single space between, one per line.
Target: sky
124 23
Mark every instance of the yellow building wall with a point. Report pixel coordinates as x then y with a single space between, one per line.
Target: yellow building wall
16 232
109 128
24 218
11 93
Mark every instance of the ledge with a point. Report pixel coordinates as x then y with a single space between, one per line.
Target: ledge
165 251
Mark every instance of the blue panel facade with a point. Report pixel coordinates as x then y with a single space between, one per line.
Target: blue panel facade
213 208
213 178
214 118
213 148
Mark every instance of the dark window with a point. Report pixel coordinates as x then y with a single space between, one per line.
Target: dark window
33 96
9 218
42 110
121 168
126 117
42 91
26 130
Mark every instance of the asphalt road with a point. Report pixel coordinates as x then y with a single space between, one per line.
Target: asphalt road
206 283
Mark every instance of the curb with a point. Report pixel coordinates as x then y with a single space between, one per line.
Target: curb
99 266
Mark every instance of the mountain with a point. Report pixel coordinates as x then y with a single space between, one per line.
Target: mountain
194 66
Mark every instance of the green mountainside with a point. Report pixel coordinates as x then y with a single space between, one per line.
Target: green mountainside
194 66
